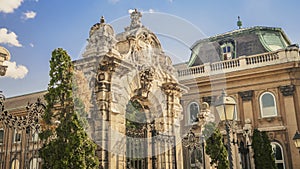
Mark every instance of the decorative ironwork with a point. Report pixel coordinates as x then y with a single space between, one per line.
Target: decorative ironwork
191 141
17 152
136 132
244 151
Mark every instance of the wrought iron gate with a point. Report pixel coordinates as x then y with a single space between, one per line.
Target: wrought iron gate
19 143
136 136
136 149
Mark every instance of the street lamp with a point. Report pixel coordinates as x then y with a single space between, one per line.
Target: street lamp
226 110
296 139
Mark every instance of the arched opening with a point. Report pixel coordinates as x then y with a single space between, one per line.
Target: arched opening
136 134
278 155
268 105
193 110
15 164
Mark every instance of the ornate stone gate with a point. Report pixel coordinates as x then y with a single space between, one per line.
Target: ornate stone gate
131 66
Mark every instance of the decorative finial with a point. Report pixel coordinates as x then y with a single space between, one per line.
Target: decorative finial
135 19
102 20
239 22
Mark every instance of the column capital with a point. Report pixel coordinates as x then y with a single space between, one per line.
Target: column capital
246 95
287 90
209 99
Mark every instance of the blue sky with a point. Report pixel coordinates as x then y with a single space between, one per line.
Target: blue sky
31 29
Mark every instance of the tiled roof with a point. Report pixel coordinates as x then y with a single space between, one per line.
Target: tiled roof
20 102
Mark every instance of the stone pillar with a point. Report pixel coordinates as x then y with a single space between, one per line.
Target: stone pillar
103 97
247 109
173 94
291 123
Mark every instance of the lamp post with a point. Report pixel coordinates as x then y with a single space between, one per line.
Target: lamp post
226 109
296 139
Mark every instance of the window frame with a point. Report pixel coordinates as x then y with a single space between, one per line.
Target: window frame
282 154
225 46
2 129
15 164
189 120
36 165
19 132
261 105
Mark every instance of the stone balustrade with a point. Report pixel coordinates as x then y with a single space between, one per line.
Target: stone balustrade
241 63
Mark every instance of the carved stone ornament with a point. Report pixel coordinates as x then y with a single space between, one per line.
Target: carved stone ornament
246 95
209 99
287 90
135 19
146 78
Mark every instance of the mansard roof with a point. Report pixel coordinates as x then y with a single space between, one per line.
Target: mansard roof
247 41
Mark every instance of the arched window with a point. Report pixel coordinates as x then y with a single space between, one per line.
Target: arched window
193 110
15 164
34 163
278 155
268 105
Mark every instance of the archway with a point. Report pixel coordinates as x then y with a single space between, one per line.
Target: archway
137 134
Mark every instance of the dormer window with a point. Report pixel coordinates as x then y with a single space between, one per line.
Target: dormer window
227 50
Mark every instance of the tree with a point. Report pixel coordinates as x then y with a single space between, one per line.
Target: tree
263 154
66 143
215 147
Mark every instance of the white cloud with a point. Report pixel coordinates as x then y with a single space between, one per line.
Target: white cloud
151 10
113 1
8 6
9 38
130 11
15 71
147 11
28 15
31 45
